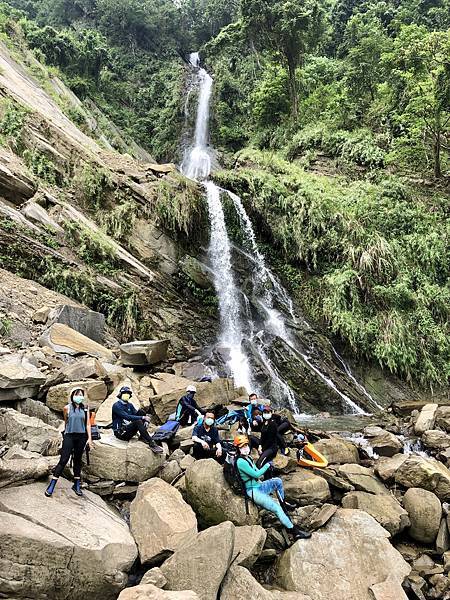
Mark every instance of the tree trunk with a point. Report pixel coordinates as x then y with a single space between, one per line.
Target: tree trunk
293 92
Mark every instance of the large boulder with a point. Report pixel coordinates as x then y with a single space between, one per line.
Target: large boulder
86 367
148 352
211 497
443 418
386 468
383 442
85 321
424 509
151 592
219 391
64 547
160 520
58 395
425 473
213 550
325 565
19 378
197 271
15 471
436 439
426 418
306 488
249 542
382 507
28 432
337 450
65 340
240 583
114 459
36 408
362 479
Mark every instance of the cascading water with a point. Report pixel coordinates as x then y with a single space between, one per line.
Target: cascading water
238 327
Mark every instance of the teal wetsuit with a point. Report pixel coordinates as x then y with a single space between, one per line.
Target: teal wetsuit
259 491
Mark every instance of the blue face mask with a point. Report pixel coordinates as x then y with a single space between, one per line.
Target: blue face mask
209 422
78 399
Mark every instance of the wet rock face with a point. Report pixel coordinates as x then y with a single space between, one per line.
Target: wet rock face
326 565
47 549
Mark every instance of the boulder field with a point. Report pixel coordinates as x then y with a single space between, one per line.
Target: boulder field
169 527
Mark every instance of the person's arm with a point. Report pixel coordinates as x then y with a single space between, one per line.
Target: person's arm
197 439
251 471
88 426
118 411
217 443
65 415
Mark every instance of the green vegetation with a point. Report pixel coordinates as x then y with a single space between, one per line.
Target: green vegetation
376 254
40 165
94 248
5 325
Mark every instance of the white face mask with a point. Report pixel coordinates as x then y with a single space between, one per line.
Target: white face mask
209 421
254 402
245 450
267 416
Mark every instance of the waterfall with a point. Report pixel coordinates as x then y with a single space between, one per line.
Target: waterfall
239 331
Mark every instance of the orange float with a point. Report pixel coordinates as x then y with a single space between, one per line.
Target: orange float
311 457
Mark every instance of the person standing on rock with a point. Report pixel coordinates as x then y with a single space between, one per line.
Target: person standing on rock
206 439
187 408
127 421
77 434
260 491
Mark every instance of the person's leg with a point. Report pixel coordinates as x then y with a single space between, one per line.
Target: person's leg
198 452
66 452
266 456
265 501
79 444
273 485
254 441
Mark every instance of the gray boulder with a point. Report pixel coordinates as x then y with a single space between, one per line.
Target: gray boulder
65 340
306 488
63 547
425 511
212 499
248 544
362 479
114 459
425 473
436 439
86 367
19 378
148 352
15 471
160 520
426 418
383 442
85 321
151 592
213 550
337 450
325 565
382 507
58 395
30 433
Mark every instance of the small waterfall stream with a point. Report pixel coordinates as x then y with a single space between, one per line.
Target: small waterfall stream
248 326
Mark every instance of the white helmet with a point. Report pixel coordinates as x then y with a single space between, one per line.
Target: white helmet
191 388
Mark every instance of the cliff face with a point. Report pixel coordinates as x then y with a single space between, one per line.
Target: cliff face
102 228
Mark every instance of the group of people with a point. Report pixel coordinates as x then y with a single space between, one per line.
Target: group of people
256 420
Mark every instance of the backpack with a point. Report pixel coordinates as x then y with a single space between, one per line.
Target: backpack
166 432
233 477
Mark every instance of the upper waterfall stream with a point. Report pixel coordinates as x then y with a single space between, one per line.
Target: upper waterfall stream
251 321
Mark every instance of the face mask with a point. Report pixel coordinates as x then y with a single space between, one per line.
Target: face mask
254 402
78 399
209 422
126 397
267 416
245 450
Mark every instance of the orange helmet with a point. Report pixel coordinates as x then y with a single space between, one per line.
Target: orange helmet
240 440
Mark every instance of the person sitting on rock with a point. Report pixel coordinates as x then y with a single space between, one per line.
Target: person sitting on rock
187 408
272 430
260 491
77 434
127 421
253 409
206 439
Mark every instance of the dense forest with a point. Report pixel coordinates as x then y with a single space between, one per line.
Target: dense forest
333 120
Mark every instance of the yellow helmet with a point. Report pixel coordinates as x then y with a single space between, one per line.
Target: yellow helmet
240 440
